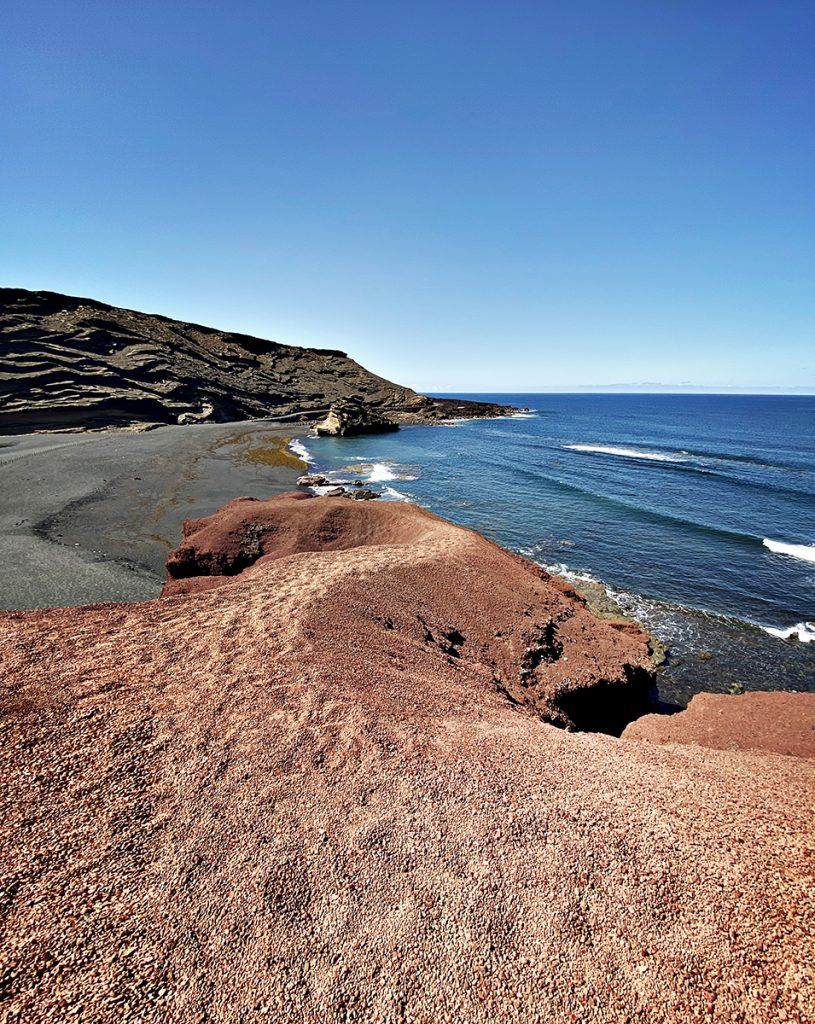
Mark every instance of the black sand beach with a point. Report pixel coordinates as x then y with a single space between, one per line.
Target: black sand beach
88 517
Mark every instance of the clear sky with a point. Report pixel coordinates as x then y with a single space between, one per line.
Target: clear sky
465 195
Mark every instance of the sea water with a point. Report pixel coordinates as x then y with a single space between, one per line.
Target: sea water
695 512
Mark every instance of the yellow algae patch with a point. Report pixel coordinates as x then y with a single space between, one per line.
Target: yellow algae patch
161 540
273 453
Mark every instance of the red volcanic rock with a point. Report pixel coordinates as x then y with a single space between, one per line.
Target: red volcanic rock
326 791
782 723
534 635
225 544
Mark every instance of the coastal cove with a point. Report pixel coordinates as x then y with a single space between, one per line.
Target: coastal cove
90 516
694 514
656 507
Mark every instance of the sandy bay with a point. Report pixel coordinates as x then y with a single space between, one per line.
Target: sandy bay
90 516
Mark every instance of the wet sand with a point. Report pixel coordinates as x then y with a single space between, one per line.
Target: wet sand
89 517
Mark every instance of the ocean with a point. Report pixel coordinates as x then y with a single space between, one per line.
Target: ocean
694 514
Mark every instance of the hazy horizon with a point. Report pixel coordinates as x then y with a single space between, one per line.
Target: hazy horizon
633 389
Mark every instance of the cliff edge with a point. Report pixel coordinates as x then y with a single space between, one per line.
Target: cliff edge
321 780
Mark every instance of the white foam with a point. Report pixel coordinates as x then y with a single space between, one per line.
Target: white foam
805 632
524 416
629 453
391 492
300 450
806 552
379 472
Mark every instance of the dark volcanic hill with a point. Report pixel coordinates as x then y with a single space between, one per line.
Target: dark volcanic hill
68 362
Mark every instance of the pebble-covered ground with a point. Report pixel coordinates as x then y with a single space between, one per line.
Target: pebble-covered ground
326 791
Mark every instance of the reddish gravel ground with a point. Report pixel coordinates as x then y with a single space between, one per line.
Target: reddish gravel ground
783 723
326 788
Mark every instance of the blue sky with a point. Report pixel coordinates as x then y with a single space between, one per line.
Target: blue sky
463 195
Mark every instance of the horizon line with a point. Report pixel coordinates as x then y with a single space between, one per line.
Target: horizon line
623 390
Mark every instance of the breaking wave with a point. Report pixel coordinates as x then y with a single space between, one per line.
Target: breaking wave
394 495
380 472
299 449
804 552
803 631
628 453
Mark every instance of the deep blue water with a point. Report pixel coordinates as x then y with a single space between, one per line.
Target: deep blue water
673 516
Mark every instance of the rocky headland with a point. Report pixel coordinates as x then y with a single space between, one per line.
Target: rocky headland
68 363
358 764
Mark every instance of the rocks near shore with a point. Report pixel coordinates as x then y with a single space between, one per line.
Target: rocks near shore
348 419
556 658
781 723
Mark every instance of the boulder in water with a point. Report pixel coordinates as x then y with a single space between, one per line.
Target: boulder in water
346 419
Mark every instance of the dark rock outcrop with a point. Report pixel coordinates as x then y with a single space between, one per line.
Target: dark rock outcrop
346 419
74 363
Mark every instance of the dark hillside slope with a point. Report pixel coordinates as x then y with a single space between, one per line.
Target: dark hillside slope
69 362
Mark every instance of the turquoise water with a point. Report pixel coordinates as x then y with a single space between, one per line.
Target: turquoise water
696 511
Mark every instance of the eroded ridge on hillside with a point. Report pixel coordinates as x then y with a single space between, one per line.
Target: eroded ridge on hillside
68 362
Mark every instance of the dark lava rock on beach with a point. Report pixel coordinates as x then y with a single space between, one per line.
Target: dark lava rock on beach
347 419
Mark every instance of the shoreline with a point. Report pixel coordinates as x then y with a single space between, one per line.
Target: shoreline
89 517
97 519
701 650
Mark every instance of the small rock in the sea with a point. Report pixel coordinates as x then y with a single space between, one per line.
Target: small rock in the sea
311 480
357 483
566 543
363 494
704 655
350 417
335 492
659 652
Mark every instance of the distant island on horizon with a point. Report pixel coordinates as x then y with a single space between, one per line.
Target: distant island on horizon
642 389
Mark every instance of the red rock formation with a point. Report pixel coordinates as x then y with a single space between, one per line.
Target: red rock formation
782 723
323 791
532 636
